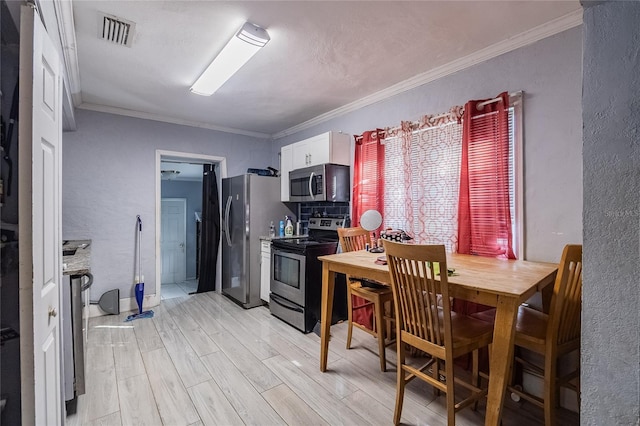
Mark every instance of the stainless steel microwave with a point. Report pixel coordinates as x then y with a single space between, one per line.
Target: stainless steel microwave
325 182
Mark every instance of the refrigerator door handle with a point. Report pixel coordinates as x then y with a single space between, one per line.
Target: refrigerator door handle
227 210
311 176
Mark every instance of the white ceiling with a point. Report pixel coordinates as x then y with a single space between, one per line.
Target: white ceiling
324 57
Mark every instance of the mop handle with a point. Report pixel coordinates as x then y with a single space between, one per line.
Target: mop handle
139 249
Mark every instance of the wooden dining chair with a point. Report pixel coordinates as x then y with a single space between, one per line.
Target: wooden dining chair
551 335
353 239
555 334
435 330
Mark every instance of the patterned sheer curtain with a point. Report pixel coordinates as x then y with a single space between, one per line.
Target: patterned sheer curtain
422 177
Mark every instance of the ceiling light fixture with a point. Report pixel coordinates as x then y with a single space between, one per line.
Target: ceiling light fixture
169 174
242 46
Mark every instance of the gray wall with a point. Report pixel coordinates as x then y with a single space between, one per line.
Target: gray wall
611 115
192 191
550 73
108 177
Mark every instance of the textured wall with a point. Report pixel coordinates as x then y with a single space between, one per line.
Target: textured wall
611 114
108 177
192 191
550 73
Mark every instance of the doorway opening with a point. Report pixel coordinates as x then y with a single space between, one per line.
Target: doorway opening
179 178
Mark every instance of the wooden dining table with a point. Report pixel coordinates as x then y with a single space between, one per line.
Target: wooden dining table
502 283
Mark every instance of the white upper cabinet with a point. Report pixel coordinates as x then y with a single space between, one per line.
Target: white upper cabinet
330 147
286 165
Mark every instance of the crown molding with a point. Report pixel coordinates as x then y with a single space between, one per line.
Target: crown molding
67 33
172 120
540 32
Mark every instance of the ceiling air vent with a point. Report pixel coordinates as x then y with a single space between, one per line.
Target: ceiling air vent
116 30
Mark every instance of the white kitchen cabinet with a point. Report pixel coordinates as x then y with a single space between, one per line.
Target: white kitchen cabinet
265 270
330 147
286 165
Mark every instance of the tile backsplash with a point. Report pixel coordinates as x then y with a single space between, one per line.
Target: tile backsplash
307 210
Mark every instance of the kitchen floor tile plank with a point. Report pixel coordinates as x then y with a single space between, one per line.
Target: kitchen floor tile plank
291 408
137 405
323 402
172 399
370 410
99 332
262 329
383 392
256 346
169 291
245 399
364 355
255 371
204 315
294 335
185 359
364 347
126 353
195 335
112 419
147 335
334 383
212 405
101 357
101 396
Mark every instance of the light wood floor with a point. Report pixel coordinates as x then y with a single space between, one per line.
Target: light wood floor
202 360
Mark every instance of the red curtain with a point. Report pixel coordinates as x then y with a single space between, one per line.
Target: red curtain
484 219
368 175
368 193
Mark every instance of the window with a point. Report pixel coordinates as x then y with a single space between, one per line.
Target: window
422 179
422 183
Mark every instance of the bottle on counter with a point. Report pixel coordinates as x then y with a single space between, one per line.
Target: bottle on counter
272 230
288 228
281 228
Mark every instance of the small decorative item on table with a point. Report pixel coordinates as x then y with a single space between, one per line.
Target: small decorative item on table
397 235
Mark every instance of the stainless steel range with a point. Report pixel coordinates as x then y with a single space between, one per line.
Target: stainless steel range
296 275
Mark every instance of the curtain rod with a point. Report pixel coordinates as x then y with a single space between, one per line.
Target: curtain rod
490 101
481 105
435 117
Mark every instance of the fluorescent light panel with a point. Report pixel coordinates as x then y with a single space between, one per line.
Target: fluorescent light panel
242 46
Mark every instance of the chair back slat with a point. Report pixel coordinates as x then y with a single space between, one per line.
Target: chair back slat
353 239
416 288
566 304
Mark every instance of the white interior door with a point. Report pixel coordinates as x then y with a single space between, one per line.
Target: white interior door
173 238
40 145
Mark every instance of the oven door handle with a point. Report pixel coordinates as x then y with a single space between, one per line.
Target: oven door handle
286 304
311 176
227 210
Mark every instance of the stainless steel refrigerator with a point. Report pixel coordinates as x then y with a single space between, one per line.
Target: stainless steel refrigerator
249 204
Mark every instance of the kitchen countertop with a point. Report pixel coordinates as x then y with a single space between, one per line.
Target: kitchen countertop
78 263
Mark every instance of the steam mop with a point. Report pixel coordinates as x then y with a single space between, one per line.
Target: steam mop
139 279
